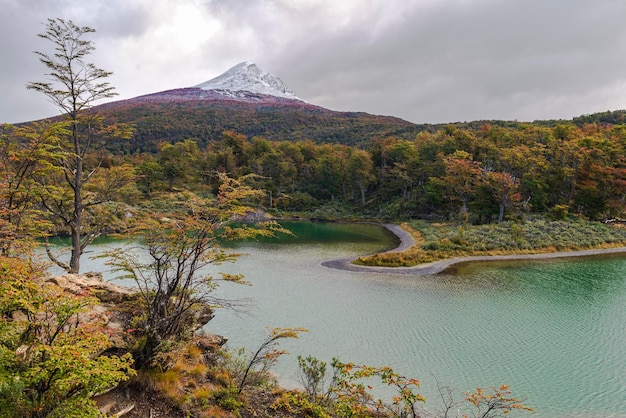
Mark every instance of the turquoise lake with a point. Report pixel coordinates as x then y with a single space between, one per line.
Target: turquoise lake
554 330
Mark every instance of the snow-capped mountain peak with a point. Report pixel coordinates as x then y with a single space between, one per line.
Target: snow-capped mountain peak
247 77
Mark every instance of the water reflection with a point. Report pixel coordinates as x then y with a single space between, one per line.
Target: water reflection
571 280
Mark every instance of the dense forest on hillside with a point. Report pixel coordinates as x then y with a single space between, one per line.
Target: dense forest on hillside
163 121
481 175
484 174
174 117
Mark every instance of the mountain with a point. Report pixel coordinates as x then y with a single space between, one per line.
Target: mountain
246 77
247 100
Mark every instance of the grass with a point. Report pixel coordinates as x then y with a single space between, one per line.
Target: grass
184 377
202 381
437 241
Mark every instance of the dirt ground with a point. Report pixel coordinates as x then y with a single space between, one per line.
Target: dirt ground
147 404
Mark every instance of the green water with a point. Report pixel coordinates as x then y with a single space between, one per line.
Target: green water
555 331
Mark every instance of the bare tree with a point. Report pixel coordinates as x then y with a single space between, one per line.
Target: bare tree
268 353
173 278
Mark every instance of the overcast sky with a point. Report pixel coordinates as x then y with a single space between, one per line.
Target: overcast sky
426 61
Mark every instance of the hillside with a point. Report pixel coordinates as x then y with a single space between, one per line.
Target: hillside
193 113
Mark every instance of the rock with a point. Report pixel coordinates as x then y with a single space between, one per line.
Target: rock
19 316
204 315
124 411
93 283
207 341
117 305
109 311
257 215
64 283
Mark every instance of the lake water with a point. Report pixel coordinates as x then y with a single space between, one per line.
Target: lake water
554 330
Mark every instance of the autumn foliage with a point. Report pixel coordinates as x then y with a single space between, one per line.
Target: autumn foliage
50 355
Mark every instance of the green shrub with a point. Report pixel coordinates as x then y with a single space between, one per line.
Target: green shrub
299 405
227 398
431 246
559 212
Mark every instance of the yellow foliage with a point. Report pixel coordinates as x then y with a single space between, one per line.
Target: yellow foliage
194 352
217 412
221 377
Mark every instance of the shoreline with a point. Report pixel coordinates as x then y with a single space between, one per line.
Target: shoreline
440 266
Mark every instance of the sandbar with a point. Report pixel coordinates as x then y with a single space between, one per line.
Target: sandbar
435 267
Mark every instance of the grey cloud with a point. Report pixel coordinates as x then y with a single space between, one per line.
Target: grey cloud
115 19
425 61
475 54
24 19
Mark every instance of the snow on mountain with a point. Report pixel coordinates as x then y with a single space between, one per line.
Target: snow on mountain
247 77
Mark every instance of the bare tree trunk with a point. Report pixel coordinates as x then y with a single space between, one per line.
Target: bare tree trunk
362 187
76 226
76 252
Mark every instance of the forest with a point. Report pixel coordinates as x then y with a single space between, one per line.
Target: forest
486 174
